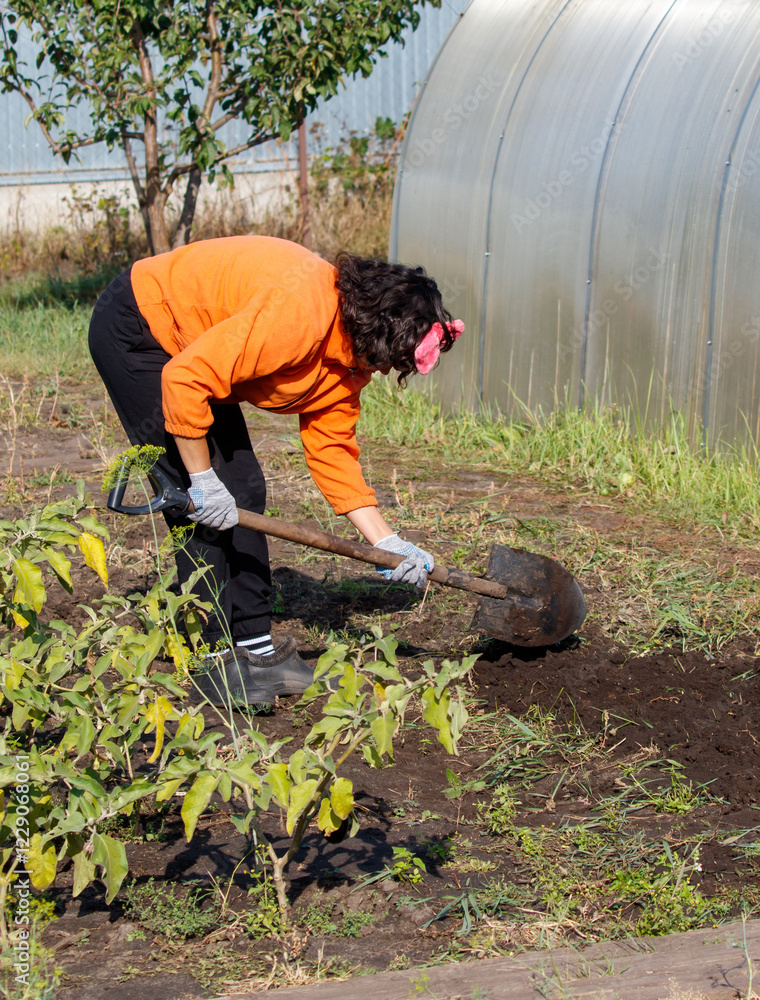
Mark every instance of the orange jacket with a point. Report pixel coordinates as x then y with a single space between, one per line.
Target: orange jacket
255 318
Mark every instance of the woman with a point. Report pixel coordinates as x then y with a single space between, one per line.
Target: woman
180 339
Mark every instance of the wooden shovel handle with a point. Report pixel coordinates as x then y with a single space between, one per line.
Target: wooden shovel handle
317 539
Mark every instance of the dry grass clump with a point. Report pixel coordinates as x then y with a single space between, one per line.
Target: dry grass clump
676 992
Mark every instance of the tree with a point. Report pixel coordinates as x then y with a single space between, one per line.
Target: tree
170 74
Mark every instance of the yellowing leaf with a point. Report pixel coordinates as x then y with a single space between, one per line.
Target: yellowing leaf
300 799
342 797
192 722
29 587
41 863
280 783
194 628
157 714
436 712
327 821
94 554
19 619
177 648
11 674
60 564
84 872
166 790
349 683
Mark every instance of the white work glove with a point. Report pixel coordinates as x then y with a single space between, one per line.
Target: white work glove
214 504
414 569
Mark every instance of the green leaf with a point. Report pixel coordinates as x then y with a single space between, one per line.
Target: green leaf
242 774
109 854
225 786
85 736
333 655
84 872
128 708
388 646
325 729
197 799
140 788
297 765
384 729
20 715
372 757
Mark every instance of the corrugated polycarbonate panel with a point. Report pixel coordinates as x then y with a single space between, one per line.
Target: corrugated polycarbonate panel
731 380
649 327
441 210
601 214
555 139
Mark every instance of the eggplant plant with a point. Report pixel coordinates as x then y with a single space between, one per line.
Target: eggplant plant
103 720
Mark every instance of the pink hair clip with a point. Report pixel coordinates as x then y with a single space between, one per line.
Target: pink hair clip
428 350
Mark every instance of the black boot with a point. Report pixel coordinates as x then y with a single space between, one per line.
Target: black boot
238 678
283 671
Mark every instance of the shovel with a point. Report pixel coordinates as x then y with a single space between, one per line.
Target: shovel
526 599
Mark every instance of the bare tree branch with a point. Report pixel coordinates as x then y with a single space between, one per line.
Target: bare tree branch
155 194
215 44
179 170
139 189
184 225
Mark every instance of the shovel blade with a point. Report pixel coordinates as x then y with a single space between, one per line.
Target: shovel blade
544 602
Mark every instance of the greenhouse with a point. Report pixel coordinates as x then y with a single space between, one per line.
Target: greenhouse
581 177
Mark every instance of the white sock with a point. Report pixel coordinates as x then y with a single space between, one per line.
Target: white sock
261 645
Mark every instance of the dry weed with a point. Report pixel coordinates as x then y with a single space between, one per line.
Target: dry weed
676 992
285 973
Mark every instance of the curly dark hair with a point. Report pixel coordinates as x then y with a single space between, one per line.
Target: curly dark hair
387 309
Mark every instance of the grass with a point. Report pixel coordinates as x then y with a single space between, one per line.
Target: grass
175 915
602 450
45 340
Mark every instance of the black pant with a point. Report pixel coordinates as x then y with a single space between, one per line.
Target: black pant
130 360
